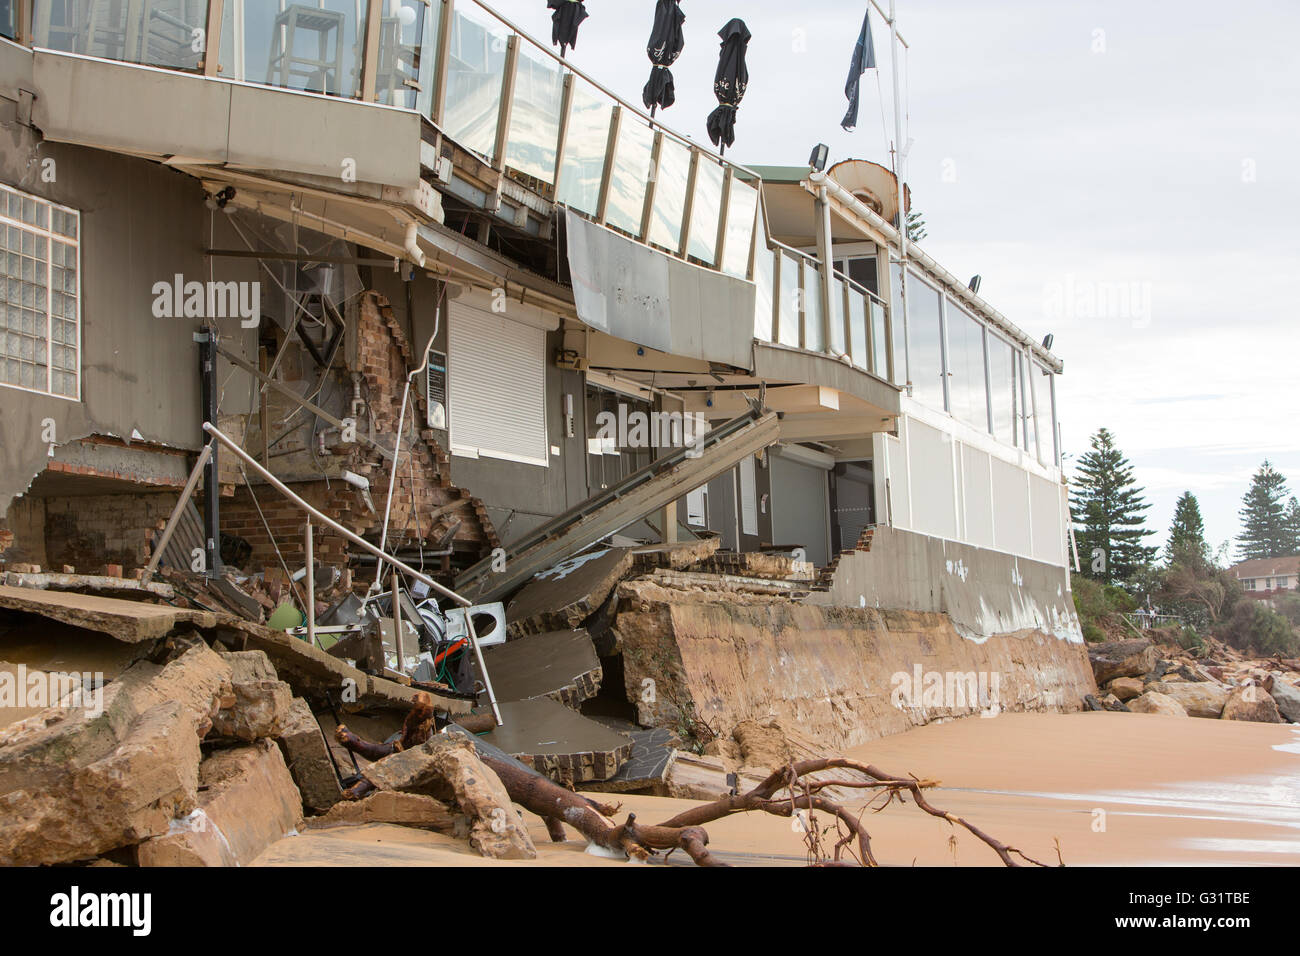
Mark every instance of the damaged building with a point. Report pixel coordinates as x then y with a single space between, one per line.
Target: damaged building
616 446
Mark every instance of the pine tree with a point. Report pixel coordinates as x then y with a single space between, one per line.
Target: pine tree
1265 526
1107 508
1187 533
1293 524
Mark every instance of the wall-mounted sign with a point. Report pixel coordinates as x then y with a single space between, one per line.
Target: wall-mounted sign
436 389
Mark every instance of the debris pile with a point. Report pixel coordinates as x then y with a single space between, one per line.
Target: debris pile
1141 676
209 736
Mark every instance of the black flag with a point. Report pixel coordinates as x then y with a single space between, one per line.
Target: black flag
864 58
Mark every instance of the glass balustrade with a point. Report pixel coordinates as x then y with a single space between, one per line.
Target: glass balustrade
476 68
789 306
535 116
631 173
164 33
671 177
706 209
583 165
858 333
814 332
408 36
741 209
839 289
764 301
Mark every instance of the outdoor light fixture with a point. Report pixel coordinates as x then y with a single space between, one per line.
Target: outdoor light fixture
821 152
1047 342
975 284
221 200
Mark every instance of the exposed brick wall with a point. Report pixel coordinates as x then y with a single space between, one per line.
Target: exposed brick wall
93 531
425 503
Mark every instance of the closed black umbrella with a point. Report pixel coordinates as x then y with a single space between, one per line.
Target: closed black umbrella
566 19
666 42
729 83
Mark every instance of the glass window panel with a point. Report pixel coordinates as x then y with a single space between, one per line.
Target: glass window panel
705 211
900 331
407 37
631 173
788 310
814 335
1002 378
837 316
966 367
302 47
33 333
764 267
925 339
880 340
858 327
740 228
670 194
584 151
164 33
1040 442
535 116
7 15
475 74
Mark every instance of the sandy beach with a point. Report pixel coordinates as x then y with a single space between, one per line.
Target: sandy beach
1107 788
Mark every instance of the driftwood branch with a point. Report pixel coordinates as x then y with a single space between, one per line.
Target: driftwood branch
787 792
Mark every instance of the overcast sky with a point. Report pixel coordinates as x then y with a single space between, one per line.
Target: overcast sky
1145 149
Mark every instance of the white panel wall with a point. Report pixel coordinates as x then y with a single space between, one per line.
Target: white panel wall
1045 500
930 460
977 497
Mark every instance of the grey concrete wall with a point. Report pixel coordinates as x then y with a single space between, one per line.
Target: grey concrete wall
985 592
141 223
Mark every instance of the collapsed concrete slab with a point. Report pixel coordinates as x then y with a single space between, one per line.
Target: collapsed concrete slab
313 672
567 594
129 621
249 801
648 767
557 742
308 757
561 665
677 555
695 660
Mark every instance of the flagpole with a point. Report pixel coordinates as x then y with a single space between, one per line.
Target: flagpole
902 195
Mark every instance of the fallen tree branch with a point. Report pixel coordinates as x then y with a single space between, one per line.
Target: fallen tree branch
558 806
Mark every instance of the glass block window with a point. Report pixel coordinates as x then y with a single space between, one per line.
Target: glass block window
40 283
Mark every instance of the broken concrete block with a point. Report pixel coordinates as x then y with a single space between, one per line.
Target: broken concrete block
1253 703
558 742
561 665
448 768
249 802
566 595
132 793
394 807
261 703
649 766
308 758
678 555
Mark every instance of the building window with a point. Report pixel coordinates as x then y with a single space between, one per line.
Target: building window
1248 584
40 315
7 15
